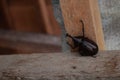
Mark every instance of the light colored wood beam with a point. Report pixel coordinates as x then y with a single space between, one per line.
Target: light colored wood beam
87 10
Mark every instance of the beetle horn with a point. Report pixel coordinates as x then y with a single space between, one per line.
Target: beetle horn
83 30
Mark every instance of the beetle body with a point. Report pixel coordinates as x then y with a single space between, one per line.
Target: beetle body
86 46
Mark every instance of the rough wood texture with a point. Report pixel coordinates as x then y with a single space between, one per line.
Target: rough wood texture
59 66
87 10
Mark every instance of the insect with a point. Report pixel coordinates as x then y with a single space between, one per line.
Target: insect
86 46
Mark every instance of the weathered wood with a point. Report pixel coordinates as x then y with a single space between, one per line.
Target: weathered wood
59 66
87 10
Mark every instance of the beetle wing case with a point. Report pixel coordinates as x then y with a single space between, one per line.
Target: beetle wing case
88 48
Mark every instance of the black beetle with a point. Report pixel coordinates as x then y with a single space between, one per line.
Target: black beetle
86 46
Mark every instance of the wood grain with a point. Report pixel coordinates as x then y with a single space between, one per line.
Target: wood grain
88 11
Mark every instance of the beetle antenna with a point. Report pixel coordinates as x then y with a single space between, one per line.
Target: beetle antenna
83 30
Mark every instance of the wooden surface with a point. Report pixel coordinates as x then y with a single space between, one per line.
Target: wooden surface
51 25
88 11
30 16
19 42
60 66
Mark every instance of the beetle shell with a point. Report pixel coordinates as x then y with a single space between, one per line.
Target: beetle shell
88 48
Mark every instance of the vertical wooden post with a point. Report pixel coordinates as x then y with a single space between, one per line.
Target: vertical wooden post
87 10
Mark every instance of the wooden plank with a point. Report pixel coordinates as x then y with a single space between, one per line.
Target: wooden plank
87 10
60 66
9 47
19 42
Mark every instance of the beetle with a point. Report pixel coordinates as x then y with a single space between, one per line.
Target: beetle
86 46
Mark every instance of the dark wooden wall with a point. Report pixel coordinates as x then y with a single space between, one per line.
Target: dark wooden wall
3 24
28 16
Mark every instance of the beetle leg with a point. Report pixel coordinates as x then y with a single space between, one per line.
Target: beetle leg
79 37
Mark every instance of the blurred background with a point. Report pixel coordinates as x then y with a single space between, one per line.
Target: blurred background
110 14
35 26
28 26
